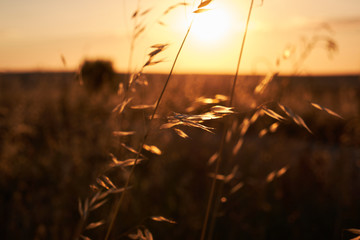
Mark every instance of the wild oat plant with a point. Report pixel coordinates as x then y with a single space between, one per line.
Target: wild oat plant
247 157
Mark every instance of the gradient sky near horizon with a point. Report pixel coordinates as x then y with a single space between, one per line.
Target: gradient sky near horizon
38 34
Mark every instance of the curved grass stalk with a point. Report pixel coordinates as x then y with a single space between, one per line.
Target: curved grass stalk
217 167
132 46
121 199
240 54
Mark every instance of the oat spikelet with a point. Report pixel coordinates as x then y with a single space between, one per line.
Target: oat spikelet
85 237
218 109
138 235
101 183
143 106
260 88
282 171
180 133
204 3
190 120
254 117
94 225
131 149
201 10
126 163
263 132
174 6
326 110
205 100
228 136
231 176
244 126
153 149
123 133
270 177
221 97
109 182
169 125
96 206
145 12
213 158
296 118
120 107
159 46
237 187
140 31
272 114
148 234
238 146
274 127
278 173
162 219
217 176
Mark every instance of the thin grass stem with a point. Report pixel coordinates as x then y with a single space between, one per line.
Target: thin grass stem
217 167
171 70
121 199
240 54
212 189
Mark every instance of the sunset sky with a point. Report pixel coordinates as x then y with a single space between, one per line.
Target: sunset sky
37 34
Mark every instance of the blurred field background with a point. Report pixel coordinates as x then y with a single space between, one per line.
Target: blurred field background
55 140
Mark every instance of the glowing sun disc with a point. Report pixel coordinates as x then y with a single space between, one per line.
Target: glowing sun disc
212 25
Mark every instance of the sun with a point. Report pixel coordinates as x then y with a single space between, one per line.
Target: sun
211 26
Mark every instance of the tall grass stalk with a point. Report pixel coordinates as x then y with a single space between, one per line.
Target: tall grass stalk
217 167
240 54
133 39
121 199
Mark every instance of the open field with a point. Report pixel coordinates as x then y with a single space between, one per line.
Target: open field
56 139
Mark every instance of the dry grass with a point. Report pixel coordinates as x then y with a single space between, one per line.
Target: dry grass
56 142
142 164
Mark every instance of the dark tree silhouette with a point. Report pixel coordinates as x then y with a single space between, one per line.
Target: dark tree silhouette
97 75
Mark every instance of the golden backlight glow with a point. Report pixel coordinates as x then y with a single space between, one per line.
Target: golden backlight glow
213 42
77 31
213 25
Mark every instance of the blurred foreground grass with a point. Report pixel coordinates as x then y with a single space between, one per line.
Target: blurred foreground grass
55 140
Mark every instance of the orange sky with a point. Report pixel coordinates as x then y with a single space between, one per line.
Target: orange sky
35 34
